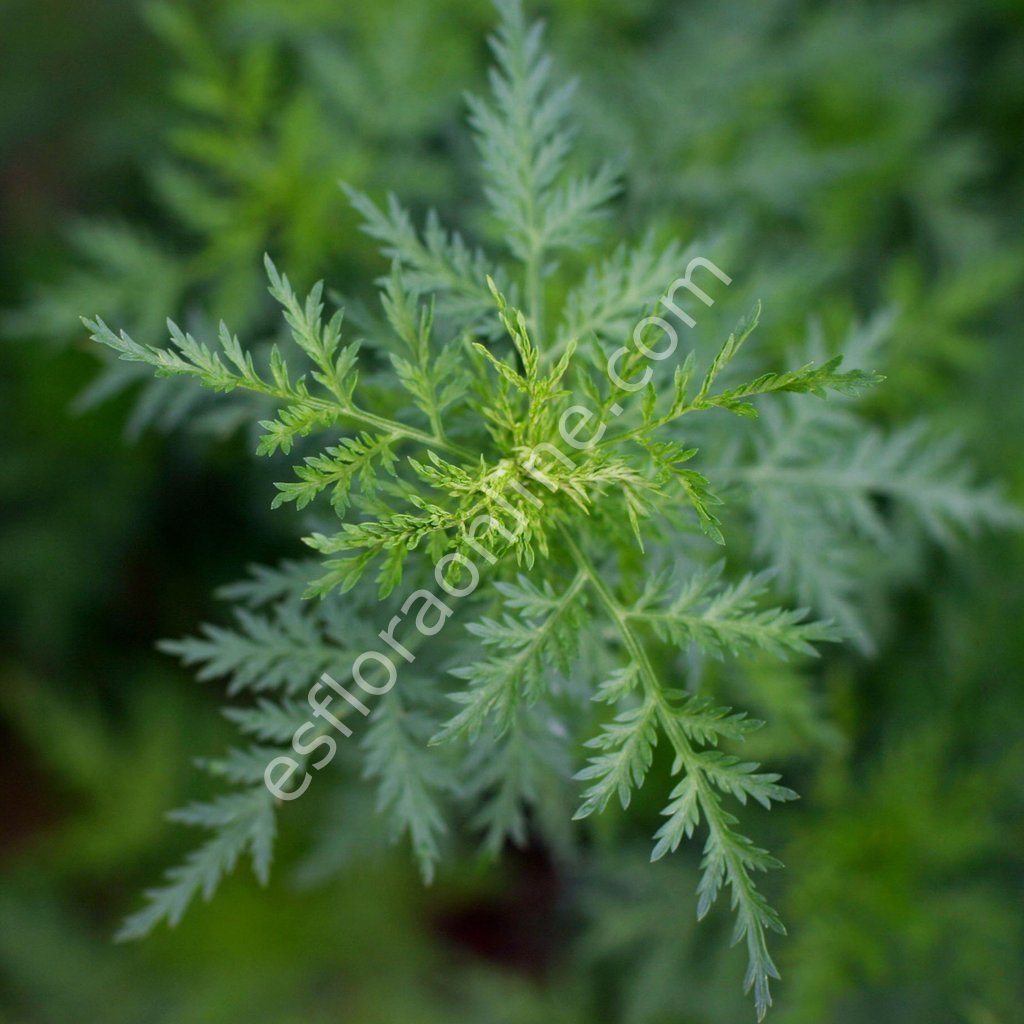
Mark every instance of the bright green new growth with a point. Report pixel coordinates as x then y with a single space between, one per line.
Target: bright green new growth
583 618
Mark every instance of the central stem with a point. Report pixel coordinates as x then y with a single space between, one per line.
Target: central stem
535 296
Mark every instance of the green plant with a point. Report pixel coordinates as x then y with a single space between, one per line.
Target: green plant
265 113
599 604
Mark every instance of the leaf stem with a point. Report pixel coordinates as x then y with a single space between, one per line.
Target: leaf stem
747 901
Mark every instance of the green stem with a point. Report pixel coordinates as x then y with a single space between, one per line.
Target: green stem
722 835
382 423
535 296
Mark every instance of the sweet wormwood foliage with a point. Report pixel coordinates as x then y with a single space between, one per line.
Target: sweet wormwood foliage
589 608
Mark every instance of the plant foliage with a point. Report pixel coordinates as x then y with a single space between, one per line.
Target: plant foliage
600 578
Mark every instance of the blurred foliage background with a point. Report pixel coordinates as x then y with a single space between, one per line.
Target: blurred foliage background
854 158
